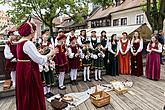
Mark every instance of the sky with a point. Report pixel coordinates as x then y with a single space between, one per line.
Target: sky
4 7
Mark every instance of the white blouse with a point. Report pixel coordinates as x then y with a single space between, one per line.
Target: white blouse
109 46
30 49
128 46
7 52
71 54
159 50
140 47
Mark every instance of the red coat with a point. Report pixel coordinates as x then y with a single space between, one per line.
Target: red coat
29 88
74 62
61 60
11 66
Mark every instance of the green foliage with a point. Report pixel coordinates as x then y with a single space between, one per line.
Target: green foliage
103 3
47 10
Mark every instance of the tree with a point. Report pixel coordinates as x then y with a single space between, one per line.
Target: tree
103 3
46 10
155 12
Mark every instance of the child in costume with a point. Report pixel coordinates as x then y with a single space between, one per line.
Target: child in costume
61 60
99 61
10 55
75 53
87 60
46 70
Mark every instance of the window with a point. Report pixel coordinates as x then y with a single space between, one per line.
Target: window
116 22
123 21
139 19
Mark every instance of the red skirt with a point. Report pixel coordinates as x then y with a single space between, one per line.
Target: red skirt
29 89
10 66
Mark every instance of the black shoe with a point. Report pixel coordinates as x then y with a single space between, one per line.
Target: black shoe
72 82
162 63
47 95
75 82
96 79
62 87
51 94
100 79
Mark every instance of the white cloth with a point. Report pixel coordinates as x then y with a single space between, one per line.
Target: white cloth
30 49
7 52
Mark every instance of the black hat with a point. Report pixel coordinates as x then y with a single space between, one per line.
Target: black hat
93 31
83 30
103 31
73 29
44 31
87 42
99 43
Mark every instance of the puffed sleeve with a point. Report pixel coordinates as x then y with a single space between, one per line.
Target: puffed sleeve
128 46
120 48
7 52
79 41
159 48
30 49
141 46
71 55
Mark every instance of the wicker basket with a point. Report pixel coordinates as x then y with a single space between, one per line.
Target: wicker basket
121 91
100 99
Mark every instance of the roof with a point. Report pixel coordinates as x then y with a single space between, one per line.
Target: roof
59 20
127 4
111 30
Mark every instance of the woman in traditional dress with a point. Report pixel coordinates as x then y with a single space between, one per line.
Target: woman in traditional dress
124 46
29 89
113 50
136 56
104 42
153 59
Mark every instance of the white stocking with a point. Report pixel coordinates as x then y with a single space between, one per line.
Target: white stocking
85 72
88 73
61 79
96 71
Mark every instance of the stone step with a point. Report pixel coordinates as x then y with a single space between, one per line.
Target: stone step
6 93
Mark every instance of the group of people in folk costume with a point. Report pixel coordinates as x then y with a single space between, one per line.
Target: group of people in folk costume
32 66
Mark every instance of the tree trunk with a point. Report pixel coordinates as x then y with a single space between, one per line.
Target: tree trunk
51 31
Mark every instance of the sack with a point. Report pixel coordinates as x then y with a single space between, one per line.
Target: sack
58 105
